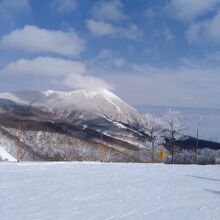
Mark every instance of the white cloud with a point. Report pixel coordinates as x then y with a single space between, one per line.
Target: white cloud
205 31
105 53
190 9
106 60
45 66
69 73
108 10
202 28
34 39
130 32
64 6
100 28
86 82
9 8
183 86
105 18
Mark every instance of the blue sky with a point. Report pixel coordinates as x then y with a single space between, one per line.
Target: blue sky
154 52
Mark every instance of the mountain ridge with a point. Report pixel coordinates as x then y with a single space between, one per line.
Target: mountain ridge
78 116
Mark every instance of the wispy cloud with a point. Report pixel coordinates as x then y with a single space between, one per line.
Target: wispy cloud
34 39
101 28
106 16
106 60
202 18
10 8
149 13
109 11
205 31
187 10
119 62
64 6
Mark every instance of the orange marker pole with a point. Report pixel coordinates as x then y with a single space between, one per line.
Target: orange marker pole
19 139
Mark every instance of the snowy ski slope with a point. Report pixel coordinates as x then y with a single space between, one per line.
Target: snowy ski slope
68 191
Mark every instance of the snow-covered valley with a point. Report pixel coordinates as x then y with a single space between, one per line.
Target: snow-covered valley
73 190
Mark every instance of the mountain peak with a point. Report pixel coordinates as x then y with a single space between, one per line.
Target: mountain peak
86 92
89 103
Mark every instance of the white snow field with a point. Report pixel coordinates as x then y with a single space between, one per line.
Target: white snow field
75 191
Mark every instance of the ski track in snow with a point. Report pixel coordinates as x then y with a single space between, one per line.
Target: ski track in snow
74 190
116 106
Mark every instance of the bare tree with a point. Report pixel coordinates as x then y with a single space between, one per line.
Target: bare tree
196 121
153 126
175 125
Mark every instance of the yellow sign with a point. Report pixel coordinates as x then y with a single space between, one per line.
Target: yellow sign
163 155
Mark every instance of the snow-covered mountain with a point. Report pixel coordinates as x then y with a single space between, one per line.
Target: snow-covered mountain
69 125
86 104
80 125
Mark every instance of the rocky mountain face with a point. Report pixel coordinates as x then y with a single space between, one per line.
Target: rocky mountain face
77 125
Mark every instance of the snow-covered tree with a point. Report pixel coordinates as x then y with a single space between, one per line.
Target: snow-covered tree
153 126
175 125
196 121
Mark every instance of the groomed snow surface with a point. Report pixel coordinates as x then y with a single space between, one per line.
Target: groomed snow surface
61 191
